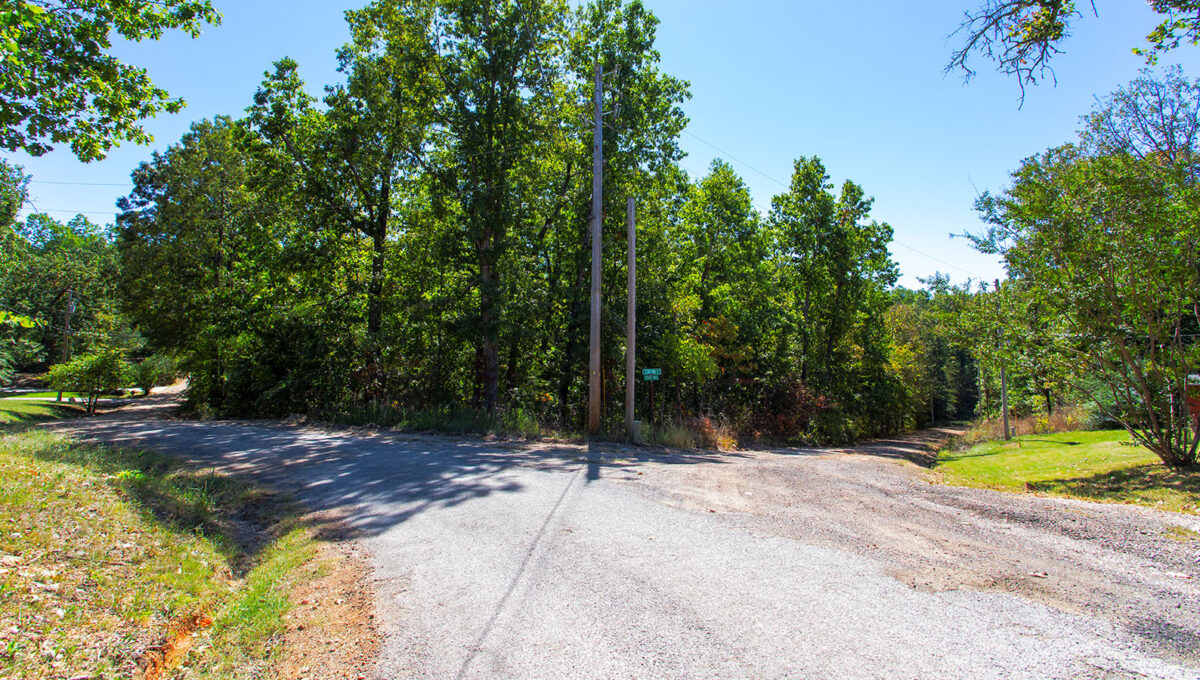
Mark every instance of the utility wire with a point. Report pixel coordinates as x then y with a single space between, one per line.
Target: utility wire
735 159
81 184
37 210
937 259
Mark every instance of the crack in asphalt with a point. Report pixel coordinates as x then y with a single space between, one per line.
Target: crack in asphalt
520 573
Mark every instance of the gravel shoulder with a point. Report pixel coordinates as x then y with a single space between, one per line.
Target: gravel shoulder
506 559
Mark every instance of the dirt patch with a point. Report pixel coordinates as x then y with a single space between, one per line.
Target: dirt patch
919 447
331 632
158 659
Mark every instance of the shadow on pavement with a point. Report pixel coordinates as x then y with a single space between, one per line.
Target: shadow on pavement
366 482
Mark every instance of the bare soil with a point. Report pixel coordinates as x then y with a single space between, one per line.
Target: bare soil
331 632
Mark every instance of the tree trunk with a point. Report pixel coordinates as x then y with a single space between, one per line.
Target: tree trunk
378 251
487 321
375 287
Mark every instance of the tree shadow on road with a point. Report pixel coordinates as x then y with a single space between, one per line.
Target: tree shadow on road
369 481
919 447
373 481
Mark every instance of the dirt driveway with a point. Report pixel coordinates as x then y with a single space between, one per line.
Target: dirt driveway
502 559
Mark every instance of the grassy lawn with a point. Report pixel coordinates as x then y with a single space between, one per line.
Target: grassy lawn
1099 466
13 411
107 553
65 395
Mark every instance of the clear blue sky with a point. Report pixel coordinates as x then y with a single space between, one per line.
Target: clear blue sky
859 84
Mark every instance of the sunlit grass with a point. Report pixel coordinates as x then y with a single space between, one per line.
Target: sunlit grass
51 394
1101 466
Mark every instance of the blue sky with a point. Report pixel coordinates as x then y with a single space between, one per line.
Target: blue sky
859 84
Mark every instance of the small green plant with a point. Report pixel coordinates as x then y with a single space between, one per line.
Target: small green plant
132 477
1178 533
92 375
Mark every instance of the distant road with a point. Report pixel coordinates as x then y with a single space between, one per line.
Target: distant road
501 560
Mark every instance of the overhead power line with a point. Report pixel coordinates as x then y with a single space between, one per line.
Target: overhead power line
735 159
938 259
73 212
81 184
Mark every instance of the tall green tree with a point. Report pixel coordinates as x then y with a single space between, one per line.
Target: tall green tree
14 192
495 67
359 158
63 275
186 249
1103 235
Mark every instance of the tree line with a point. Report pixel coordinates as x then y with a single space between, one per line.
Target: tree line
413 246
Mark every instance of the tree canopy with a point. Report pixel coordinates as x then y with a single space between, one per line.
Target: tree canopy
417 240
1101 236
60 85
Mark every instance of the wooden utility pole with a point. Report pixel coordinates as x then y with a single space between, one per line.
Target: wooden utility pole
1003 381
1004 400
66 336
597 188
631 321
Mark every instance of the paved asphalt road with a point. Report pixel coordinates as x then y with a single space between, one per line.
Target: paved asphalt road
497 560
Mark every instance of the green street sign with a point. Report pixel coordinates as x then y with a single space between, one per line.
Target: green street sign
651 374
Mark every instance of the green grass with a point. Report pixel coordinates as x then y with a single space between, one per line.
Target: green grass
244 639
1099 466
13 411
103 550
41 395
65 395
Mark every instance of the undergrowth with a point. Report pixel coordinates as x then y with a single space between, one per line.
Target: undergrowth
510 421
1064 419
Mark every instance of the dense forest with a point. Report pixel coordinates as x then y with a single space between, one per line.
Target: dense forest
413 248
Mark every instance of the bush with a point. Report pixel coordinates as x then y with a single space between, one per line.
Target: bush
91 375
789 410
672 435
153 371
697 433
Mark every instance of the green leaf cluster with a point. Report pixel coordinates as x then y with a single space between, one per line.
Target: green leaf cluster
60 85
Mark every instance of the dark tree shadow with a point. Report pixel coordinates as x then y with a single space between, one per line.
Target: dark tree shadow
1118 484
19 416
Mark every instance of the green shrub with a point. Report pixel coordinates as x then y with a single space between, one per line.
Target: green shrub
672 435
153 371
91 375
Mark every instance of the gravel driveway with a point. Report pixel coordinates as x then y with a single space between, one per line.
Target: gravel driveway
500 559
